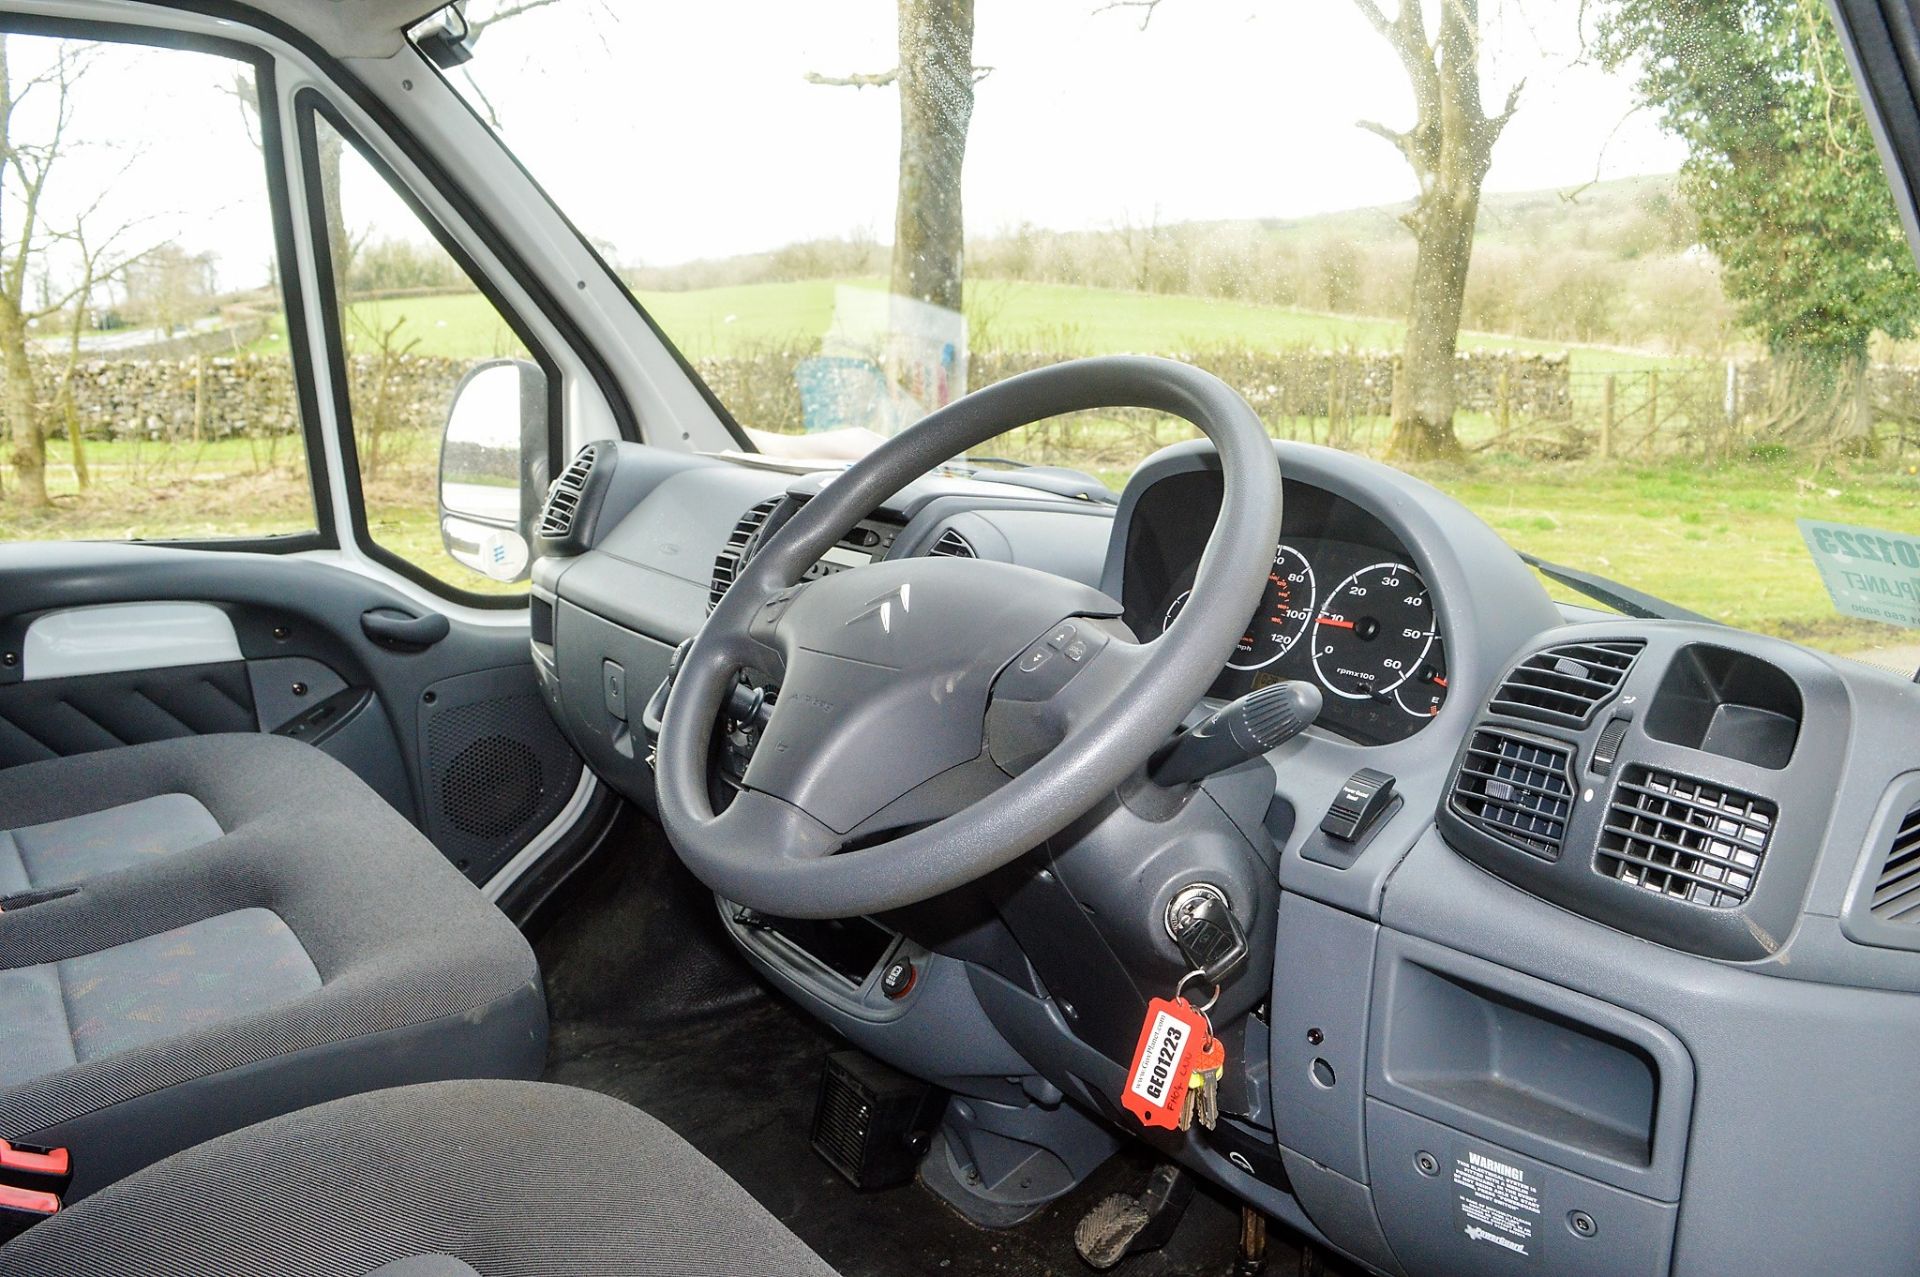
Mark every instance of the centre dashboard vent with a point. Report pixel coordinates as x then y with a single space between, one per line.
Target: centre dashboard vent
1896 893
951 545
1517 790
726 564
1564 685
1685 839
563 498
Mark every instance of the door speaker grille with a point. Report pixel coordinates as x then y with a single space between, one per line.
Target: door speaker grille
497 769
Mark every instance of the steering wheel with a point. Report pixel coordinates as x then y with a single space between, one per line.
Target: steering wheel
936 718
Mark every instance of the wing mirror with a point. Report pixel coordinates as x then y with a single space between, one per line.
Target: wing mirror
493 467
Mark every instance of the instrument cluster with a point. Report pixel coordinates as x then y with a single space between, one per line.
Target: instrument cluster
1343 607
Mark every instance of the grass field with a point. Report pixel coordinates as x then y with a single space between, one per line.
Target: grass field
234 488
1719 540
1002 315
1722 541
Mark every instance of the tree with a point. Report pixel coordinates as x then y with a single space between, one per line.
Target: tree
170 286
26 168
935 78
1781 170
1449 147
97 267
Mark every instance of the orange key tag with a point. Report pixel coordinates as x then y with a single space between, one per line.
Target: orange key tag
1163 1062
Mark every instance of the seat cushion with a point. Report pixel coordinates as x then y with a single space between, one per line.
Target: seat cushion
146 991
61 852
316 947
503 1179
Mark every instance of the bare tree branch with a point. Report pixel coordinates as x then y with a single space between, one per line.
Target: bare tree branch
511 11
486 103
1146 8
1371 12
875 80
1600 160
1394 136
1499 122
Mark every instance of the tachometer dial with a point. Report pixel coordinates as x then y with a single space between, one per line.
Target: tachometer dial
1425 692
1373 633
1286 607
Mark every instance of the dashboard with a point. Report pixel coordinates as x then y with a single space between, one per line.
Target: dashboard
1637 881
1344 607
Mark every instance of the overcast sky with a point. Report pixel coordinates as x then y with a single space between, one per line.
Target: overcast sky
686 130
677 130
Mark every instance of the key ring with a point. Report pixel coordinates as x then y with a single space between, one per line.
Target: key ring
1178 989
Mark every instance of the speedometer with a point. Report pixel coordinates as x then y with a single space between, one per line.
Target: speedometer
1373 632
1286 606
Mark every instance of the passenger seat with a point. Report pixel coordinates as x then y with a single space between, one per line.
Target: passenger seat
203 933
457 1179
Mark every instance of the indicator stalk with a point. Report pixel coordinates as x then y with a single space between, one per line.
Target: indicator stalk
1259 721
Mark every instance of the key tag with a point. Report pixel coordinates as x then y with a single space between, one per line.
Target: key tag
1173 1036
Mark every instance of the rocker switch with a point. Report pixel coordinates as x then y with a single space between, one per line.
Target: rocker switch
1361 801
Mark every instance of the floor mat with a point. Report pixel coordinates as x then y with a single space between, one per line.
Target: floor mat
652 1005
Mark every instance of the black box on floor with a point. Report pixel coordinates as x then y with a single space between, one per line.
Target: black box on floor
872 1122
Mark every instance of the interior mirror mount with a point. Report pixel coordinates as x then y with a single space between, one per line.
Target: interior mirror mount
493 467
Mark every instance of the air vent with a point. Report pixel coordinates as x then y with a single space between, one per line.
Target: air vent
726 564
1896 896
952 545
563 498
1516 790
1685 839
1566 684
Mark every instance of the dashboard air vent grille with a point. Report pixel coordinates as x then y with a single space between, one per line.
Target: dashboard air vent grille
1896 896
952 545
1516 790
726 564
1684 838
563 498
1565 684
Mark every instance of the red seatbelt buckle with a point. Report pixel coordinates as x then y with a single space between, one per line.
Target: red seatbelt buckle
22 1208
35 1167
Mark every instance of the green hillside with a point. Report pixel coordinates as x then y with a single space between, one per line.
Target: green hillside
1005 315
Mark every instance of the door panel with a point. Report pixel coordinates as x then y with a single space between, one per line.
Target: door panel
57 717
453 734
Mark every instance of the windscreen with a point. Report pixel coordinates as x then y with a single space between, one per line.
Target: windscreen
1625 277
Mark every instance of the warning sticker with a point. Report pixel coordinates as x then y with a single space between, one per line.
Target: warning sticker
1497 1205
1869 573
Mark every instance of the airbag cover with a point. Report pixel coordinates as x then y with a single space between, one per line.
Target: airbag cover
888 672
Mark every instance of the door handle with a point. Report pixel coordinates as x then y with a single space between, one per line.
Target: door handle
390 627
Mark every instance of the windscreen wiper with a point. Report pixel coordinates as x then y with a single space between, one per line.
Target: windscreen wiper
1621 598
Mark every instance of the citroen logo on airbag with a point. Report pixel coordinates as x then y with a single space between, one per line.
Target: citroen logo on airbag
882 607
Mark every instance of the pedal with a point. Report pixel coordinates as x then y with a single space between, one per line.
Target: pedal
1123 1225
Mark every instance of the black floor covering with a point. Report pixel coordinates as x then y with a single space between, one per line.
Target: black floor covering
651 1004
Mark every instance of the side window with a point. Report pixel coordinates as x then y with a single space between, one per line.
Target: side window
148 386
446 494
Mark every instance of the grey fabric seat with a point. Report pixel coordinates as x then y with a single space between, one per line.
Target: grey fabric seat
61 852
198 934
503 1179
